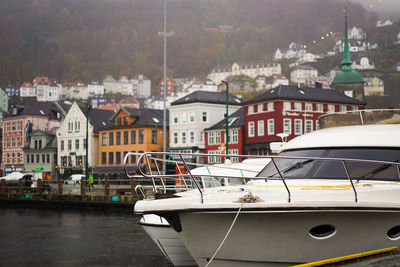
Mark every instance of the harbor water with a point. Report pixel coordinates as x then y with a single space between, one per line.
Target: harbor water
57 237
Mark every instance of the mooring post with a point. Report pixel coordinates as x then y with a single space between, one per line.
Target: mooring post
60 186
106 187
3 186
39 186
83 187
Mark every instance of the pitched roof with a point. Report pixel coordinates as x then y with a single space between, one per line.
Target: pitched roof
305 93
144 117
35 108
235 120
99 118
207 97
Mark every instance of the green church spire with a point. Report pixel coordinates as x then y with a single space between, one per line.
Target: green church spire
346 62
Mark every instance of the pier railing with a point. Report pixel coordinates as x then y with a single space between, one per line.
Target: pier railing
348 165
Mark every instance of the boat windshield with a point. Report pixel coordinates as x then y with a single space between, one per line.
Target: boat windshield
320 169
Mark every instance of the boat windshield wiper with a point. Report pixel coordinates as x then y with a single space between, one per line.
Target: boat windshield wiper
296 166
376 170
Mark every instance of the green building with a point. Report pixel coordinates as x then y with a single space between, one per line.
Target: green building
41 154
348 81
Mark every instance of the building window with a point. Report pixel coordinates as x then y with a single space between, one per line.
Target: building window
192 137
27 158
69 144
211 158
118 157
37 158
133 137
191 116
271 127
125 120
259 108
141 136
127 160
110 157
204 116
76 144
309 107
119 121
175 136
84 143
217 159
111 138
251 129
317 125
298 126
183 117
126 137
210 138
287 123
103 158
176 119
343 108
331 108
154 136
287 105
234 135
43 158
133 157
62 145
104 139
320 108
297 106
260 128
309 126
250 109
118 138
234 152
183 137
271 106
218 138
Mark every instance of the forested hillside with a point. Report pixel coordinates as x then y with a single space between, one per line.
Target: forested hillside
86 39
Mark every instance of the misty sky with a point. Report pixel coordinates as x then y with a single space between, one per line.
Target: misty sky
382 7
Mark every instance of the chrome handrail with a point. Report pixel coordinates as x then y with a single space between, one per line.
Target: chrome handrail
273 159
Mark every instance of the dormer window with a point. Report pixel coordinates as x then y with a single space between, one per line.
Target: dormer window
119 121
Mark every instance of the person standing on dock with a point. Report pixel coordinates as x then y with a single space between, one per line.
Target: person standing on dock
91 182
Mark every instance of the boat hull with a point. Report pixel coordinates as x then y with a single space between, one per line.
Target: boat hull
282 238
169 243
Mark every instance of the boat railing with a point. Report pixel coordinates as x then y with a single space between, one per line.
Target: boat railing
187 173
154 166
359 117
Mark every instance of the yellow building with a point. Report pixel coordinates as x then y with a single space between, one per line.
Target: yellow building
134 130
373 86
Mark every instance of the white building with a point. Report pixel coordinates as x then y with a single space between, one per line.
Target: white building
384 23
357 33
76 90
110 84
374 86
252 70
295 50
362 63
191 114
141 86
48 91
302 73
95 89
27 90
71 138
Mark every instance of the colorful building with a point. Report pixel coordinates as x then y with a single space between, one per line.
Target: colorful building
290 110
132 130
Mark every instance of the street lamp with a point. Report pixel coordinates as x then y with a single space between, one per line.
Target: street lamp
226 119
87 141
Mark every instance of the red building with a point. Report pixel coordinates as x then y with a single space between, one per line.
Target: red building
291 110
171 86
215 140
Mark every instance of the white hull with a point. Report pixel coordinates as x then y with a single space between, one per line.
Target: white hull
168 242
281 238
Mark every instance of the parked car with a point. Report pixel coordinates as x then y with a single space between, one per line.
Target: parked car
74 179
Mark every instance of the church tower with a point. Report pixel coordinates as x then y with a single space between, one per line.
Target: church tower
348 81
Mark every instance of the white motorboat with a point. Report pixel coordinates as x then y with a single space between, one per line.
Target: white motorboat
330 193
161 232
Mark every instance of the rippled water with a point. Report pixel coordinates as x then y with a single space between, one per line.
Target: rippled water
40 237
